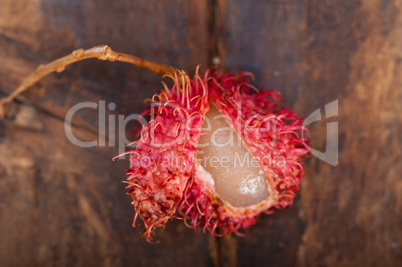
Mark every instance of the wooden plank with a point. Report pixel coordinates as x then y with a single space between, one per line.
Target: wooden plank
355 54
316 52
61 205
263 37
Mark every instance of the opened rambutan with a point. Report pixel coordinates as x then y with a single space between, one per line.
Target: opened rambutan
216 152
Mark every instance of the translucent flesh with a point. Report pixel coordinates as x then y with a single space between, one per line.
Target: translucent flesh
237 174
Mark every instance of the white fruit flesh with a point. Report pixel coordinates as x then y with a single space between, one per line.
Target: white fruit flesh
237 174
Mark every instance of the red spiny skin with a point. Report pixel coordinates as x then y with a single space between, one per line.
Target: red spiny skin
164 179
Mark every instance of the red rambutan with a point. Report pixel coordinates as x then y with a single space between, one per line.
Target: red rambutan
216 152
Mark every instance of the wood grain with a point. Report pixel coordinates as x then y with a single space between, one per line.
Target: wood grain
61 205
316 52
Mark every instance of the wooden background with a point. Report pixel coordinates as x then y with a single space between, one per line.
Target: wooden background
61 205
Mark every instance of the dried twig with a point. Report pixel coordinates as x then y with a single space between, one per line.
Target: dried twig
102 52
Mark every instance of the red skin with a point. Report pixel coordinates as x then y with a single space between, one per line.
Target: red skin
163 180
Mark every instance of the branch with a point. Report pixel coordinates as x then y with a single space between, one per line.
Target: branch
102 52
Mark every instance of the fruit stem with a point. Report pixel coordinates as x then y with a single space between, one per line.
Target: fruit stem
102 52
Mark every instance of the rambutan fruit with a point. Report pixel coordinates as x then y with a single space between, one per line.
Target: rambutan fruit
216 152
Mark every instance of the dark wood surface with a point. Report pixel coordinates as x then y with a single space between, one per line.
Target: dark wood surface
61 205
